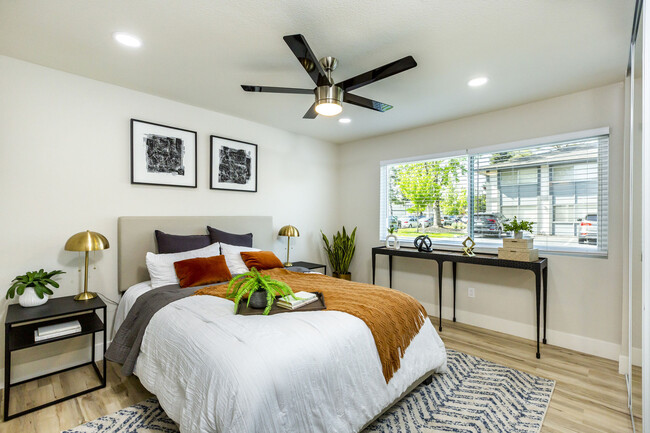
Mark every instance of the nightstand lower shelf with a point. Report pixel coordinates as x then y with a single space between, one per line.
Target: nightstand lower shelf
67 397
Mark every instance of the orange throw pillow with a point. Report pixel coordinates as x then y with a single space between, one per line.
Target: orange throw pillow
261 260
202 270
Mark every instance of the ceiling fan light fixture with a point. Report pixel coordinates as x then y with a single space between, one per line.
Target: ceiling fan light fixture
329 100
329 108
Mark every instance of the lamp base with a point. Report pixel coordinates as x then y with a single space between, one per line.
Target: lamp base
85 296
287 264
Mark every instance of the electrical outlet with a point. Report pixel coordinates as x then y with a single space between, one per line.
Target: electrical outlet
471 292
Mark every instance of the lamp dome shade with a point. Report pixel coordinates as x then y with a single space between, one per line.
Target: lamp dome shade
289 230
86 241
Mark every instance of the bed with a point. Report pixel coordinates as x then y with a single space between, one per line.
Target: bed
214 371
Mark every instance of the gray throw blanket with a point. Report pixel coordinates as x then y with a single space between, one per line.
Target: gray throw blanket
125 347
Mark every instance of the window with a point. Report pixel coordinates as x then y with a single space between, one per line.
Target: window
560 185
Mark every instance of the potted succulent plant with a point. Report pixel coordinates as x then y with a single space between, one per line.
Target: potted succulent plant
391 240
261 290
340 252
32 288
518 227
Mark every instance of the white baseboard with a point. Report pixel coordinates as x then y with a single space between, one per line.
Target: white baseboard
636 360
39 367
591 346
622 364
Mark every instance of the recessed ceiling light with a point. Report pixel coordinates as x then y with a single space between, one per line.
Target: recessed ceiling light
478 81
127 39
344 120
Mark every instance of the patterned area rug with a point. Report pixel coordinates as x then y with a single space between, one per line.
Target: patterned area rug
473 396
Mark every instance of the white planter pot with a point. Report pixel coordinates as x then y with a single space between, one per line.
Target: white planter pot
395 242
30 299
518 235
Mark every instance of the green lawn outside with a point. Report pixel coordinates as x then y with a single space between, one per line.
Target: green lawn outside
413 232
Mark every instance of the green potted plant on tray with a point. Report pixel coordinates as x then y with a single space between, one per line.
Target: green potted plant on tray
340 252
518 227
32 288
261 290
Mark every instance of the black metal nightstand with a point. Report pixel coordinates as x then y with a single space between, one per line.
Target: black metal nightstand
310 265
21 323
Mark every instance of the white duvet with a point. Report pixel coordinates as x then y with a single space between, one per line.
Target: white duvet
214 371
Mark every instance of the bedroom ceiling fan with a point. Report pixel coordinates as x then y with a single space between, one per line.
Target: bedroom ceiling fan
330 96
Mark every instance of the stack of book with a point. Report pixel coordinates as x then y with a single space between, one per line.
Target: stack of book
290 303
57 330
520 250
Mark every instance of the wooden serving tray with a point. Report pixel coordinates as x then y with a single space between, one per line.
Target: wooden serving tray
314 306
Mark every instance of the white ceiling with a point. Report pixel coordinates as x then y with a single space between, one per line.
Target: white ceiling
200 51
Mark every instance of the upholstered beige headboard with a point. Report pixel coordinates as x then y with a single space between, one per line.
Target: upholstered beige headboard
135 237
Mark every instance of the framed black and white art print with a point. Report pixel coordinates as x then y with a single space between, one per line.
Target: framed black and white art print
233 164
162 155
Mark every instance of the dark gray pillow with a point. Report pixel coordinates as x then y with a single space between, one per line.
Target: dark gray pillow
180 243
245 240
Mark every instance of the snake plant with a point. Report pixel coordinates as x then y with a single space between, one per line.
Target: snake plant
39 280
340 250
252 281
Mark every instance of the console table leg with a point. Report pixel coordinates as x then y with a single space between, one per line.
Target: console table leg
545 289
453 269
440 295
374 258
390 272
538 290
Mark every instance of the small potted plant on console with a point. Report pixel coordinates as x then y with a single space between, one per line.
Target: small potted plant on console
518 227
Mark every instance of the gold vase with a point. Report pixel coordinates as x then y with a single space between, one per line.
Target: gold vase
347 276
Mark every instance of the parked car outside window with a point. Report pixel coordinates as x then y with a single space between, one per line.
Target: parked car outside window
588 229
489 224
408 222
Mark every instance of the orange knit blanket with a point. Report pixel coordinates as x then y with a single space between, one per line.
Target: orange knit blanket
393 317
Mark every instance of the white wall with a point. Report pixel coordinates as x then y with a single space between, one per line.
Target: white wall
64 154
584 296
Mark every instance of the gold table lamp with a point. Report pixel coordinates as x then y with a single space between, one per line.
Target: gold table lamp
86 241
290 232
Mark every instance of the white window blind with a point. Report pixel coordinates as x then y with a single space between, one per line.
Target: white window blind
561 186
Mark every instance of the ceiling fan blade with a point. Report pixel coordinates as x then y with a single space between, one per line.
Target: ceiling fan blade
307 59
311 113
268 89
377 74
365 102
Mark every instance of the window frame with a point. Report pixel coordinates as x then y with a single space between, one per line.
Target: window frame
471 170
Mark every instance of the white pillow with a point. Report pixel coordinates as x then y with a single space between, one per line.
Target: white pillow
234 261
161 266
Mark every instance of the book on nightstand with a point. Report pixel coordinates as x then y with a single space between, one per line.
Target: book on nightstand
56 330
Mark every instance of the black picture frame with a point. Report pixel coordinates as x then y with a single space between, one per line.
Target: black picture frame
139 174
215 166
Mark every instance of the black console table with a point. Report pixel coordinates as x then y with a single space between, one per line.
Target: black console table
539 268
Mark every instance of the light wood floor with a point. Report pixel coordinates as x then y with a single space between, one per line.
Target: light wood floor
589 396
